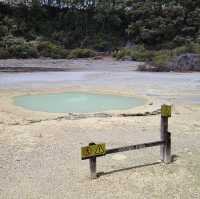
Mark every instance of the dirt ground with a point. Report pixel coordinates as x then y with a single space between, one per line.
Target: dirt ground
40 154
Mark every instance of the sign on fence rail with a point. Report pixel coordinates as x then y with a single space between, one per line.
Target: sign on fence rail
92 151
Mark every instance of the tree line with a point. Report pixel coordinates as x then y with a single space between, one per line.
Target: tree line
79 4
101 25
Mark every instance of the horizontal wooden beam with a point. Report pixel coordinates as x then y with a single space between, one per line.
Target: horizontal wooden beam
134 147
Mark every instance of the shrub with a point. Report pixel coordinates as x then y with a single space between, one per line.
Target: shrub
10 40
122 53
23 51
81 53
188 48
179 41
137 54
4 54
179 50
3 30
141 54
13 47
102 45
193 48
48 49
162 58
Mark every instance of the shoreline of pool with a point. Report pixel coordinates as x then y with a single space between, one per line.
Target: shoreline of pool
7 104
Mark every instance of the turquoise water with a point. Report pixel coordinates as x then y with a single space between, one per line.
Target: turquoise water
76 102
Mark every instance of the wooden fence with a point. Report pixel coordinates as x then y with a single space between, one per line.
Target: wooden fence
92 151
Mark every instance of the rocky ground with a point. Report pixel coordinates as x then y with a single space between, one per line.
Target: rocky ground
40 152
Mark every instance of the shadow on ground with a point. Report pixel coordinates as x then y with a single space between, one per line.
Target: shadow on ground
174 158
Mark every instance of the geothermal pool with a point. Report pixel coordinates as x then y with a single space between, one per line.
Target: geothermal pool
77 102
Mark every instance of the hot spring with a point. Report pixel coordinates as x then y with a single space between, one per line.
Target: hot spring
77 102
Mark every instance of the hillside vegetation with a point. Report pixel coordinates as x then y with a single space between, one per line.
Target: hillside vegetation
151 29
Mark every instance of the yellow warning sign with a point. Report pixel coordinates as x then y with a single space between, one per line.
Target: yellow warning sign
166 111
93 150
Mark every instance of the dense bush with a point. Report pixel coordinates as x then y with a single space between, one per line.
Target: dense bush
9 40
16 47
141 54
81 53
97 28
23 51
48 49
104 26
158 23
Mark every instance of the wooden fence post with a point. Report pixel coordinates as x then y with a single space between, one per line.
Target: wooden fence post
93 166
165 150
163 131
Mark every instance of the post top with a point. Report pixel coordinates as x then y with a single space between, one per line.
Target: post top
166 110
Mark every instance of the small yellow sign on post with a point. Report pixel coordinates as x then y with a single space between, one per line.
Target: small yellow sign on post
166 111
93 151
